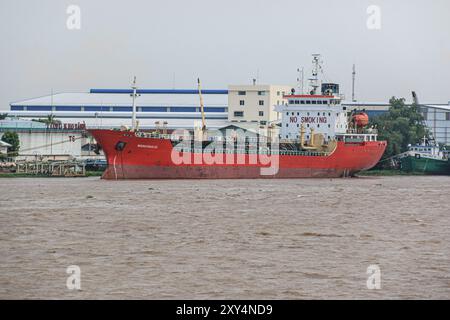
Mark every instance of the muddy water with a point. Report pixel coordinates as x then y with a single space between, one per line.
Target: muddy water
241 239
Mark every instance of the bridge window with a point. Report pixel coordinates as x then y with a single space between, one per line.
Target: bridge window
314 102
308 102
324 102
319 102
302 102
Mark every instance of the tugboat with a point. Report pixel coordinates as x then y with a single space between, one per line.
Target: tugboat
427 158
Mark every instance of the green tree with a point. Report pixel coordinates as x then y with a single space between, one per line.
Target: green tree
13 139
3 116
401 126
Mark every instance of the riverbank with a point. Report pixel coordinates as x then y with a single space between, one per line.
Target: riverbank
30 175
381 173
388 173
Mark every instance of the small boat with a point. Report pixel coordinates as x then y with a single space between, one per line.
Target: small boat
426 157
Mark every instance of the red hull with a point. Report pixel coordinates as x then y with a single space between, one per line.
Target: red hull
150 158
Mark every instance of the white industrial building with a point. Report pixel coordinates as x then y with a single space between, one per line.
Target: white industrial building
37 141
437 118
4 147
111 108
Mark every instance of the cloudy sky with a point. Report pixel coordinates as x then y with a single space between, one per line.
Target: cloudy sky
171 43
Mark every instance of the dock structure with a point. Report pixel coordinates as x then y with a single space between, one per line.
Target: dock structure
52 168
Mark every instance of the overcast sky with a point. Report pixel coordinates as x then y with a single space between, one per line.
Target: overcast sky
167 43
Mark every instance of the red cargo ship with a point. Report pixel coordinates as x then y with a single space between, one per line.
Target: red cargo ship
137 156
317 139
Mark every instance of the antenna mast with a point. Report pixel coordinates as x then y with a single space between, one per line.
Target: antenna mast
134 95
314 81
353 83
300 79
202 107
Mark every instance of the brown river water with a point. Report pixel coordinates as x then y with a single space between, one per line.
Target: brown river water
225 239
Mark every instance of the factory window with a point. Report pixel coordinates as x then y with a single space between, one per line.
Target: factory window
263 123
278 93
261 93
239 113
209 109
17 108
39 108
261 102
122 109
261 113
183 109
242 93
241 102
67 108
93 108
447 116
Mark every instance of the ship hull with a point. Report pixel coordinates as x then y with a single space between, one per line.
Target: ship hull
152 158
425 165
